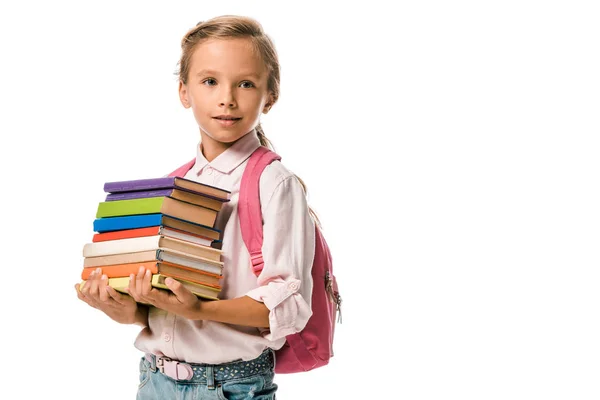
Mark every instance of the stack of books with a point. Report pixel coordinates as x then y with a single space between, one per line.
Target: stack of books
165 225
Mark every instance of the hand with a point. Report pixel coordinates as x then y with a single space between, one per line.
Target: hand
119 307
178 301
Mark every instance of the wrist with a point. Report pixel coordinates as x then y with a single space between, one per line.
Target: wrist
201 310
141 316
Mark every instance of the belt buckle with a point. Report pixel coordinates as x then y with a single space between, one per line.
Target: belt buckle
160 363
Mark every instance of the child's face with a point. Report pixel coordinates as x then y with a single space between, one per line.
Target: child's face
226 77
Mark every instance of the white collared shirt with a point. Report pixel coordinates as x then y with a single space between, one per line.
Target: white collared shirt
284 286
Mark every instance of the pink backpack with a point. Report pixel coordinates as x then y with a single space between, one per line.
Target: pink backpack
313 346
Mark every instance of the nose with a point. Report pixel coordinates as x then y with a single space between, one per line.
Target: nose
227 98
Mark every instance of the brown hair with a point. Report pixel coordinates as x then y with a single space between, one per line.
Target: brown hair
232 26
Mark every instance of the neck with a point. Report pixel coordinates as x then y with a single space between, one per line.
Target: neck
211 148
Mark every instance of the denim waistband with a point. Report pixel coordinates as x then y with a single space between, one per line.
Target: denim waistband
211 373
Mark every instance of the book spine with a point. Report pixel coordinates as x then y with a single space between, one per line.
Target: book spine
190 227
139 184
189 212
114 259
126 233
126 222
191 248
121 270
186 237
119 208
119 246
138 195
172 258
158 281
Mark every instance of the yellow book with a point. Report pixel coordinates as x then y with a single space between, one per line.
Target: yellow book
158 281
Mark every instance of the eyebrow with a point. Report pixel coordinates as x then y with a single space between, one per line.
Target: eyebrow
214 73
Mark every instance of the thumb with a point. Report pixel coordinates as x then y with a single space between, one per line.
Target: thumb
182 294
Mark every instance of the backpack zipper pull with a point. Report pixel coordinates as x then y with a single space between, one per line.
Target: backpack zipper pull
338 303
335 296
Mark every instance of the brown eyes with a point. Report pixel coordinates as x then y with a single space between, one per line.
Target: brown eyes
212 82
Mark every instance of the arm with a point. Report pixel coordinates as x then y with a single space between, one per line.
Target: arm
239 311
285 283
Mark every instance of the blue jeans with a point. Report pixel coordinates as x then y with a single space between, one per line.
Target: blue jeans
250 381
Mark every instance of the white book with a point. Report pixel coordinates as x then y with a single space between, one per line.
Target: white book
145 243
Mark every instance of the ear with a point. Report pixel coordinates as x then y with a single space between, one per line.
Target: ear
183 95
268 104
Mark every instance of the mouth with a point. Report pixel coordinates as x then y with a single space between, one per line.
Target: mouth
226 120
227 117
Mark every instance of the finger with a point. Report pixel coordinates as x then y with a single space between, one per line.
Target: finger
139 279
143 287
116 296
84 290
160 298
78 287
85 287
147 281
132 289
143 281
81 296
182 294
103 294
135 288
93 282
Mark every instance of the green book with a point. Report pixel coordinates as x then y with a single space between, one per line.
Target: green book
154 205
148 205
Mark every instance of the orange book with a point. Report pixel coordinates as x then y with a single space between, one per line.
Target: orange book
151 231
164 268
120 270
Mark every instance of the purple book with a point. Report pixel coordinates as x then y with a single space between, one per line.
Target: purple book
145 185
142 194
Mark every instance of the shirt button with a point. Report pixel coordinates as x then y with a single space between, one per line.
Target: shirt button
293 286
167 337
209 170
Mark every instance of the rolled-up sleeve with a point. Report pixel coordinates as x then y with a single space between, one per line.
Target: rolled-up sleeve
285 283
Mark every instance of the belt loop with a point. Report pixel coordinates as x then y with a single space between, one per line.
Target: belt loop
151 358
273 357
210 377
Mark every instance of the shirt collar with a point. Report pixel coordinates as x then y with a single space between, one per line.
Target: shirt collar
231 158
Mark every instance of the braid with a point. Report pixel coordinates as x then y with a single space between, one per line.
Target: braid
264 141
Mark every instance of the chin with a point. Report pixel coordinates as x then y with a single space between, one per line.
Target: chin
225 137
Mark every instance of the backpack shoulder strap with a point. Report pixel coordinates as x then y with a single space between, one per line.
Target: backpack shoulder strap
181 171
249 211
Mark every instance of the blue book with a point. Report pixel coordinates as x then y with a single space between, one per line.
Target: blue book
109 224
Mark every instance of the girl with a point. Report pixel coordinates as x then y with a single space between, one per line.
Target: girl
194 349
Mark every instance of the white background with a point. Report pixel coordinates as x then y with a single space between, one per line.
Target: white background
450 149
